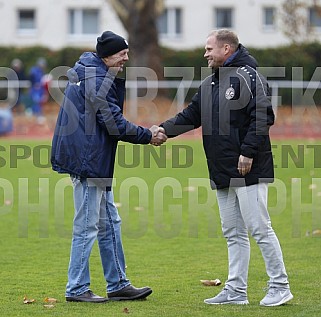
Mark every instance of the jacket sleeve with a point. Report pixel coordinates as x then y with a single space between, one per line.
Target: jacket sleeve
184 121
109 117
261 118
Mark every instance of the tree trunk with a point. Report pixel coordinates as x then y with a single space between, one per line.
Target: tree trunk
139 18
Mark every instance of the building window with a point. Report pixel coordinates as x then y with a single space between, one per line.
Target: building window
83 21
269 18
315 17
26 21
170 22
223 18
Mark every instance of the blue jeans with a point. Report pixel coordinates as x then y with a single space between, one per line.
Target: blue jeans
243 210
96 217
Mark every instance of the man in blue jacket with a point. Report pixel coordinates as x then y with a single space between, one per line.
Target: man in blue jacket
89 125
234 109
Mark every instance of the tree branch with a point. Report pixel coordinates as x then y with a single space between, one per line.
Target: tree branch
122 9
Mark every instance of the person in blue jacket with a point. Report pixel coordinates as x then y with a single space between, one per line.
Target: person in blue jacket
89 125
37 89
233 106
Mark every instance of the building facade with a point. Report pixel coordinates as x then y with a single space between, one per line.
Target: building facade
184 24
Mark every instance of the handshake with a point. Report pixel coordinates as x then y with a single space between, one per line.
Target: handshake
158 135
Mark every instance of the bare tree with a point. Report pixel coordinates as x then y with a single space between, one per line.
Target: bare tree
139 18
295 19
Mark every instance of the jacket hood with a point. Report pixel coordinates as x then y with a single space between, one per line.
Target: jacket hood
89 65
242 57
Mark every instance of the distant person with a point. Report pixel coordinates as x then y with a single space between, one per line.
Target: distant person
89 125
233 106
38 89
18 90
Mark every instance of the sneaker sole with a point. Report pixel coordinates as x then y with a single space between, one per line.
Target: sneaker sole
244 302
283 301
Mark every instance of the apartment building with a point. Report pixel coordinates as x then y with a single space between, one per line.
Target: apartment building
184 24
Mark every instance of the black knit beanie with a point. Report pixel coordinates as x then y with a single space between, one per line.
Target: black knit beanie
109 44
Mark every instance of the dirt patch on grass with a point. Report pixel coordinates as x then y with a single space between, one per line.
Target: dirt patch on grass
291 122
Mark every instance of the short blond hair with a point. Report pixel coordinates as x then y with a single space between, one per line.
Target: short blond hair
225 36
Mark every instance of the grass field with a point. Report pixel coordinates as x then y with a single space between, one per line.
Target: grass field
171 232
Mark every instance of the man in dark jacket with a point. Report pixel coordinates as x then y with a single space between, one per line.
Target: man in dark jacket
234 109
89 125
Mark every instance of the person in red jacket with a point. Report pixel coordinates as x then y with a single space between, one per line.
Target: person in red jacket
233 107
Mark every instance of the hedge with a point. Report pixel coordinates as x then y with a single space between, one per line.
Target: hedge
307 56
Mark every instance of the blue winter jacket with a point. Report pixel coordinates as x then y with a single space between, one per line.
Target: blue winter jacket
90 122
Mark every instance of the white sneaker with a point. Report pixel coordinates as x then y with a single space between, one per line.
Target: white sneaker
227 297
276 296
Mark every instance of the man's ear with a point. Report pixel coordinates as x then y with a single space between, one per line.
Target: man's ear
227 48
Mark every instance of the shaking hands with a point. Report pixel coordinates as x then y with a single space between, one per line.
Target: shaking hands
158 135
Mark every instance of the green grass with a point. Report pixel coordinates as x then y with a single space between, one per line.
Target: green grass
171 232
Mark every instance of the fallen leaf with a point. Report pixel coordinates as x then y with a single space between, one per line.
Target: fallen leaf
49 306
316 232
50 300
28 301
215 282
189 189
126 310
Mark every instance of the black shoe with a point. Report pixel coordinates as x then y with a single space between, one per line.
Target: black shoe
130 293
88 297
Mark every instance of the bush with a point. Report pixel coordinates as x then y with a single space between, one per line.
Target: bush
306 56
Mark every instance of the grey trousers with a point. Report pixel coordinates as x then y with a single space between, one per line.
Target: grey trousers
243 210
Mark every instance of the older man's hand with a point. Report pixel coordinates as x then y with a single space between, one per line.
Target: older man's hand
158 135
